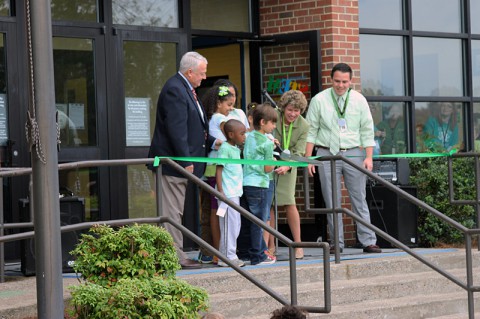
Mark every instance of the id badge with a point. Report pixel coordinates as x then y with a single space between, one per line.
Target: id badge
342 125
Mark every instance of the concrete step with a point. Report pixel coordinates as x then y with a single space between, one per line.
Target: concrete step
444 306
226 280
364 284
344 292
457 316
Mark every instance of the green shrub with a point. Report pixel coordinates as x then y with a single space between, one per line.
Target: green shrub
142 251
130 273
135 298
430 175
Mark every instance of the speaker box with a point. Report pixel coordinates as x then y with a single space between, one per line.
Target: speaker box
393 214
72 211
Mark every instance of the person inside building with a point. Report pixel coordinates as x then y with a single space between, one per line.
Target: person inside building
393 131
181 130
420 138
379 135
341 124
442 128
291 132
476 132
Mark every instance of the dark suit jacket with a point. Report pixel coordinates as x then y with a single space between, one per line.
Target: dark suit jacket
179 129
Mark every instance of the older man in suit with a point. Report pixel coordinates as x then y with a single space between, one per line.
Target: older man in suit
181 130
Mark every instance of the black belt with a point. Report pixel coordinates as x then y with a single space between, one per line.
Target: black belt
341 149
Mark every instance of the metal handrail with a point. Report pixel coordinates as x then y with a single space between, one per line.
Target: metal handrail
85 225
468 233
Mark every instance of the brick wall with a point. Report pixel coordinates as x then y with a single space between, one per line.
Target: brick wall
337 21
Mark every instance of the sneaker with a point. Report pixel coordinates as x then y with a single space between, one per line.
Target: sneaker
372 249
215 260
268 261
237 262
204 259
245 260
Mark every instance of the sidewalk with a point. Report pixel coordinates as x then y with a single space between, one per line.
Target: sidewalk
18 297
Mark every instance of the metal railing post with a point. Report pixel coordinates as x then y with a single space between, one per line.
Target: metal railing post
336 231
293 276
158 190
469 264
477 188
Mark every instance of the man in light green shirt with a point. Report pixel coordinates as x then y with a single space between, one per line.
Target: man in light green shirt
341 124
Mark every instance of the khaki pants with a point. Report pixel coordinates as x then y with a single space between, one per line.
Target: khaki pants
173 201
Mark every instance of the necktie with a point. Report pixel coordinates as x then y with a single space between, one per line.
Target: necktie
335 132
198 104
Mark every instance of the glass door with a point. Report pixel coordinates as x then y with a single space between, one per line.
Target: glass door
12 137
79 68
147 61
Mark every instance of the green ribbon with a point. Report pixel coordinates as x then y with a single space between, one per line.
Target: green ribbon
156 162
229 161
411 155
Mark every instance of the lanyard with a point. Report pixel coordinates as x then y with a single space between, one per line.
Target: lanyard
341 114
286 139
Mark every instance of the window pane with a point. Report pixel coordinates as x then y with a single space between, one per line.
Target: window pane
158 60
474 10
82 183
5 8
380 14
439 126
141 192
389 119
476 67
476 126
75 94
437 67
436 15
85 10
221 15
382 65
153 13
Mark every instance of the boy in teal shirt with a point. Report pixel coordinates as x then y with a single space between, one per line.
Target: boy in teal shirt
229 182
256 180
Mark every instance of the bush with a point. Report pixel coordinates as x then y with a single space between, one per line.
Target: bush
430 175
130 273
135 298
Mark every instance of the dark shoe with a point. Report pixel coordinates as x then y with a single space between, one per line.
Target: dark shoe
372 249
190 264
204 259
332 250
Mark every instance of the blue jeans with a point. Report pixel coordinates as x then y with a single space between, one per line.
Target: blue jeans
250 242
